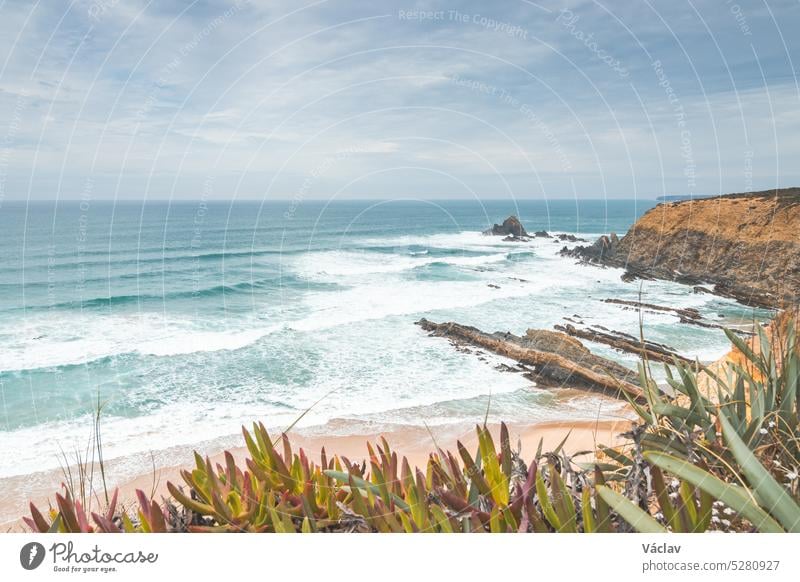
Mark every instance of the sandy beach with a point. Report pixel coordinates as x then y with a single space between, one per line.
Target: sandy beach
416 443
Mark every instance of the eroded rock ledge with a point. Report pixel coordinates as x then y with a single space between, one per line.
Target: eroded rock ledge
686 315
745 245
626 343
557 359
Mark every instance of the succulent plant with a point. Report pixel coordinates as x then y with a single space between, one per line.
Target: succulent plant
70 517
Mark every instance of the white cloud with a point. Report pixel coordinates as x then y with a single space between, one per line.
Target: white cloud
271 88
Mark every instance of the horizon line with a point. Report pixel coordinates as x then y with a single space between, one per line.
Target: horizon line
307 200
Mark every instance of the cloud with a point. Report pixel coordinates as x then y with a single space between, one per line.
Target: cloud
258 94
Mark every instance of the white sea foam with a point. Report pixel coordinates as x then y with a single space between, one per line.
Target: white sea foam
350 382
73 339
375 286
333 265
202 341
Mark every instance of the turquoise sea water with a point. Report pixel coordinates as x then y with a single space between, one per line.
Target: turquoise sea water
189 319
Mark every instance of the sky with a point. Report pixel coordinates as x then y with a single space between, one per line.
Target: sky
275 99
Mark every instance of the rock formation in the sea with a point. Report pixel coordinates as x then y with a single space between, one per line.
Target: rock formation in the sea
569 238
746 246
626 343
557 359
511 228
683 313
687 315
603 250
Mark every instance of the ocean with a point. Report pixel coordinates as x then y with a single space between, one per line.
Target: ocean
186 320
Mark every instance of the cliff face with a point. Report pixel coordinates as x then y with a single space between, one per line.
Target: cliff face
746 245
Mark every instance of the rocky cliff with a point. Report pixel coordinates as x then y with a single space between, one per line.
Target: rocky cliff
743 245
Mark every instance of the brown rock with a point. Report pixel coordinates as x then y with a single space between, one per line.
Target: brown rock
746 245
511 227
626 343
687 313
556 357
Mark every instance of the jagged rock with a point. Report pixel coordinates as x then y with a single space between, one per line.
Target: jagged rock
625 343
687 315
569 238
506 368
602 250
541 234
687 312
511 227
745 245
556 357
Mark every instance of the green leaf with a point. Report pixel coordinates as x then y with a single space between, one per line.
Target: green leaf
589 524
671 411
686 492
344 477
127 525
735 497
498 482
631 513
195 506
441 519
562 503
560 446
478 483
660 488
743 347
56 525
791 385
769 492
495 523
544 501
617 456
505 449
603 511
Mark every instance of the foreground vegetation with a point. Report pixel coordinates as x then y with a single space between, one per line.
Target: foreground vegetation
723 460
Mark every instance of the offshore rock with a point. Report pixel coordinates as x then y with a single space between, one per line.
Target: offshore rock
511 227
557 359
